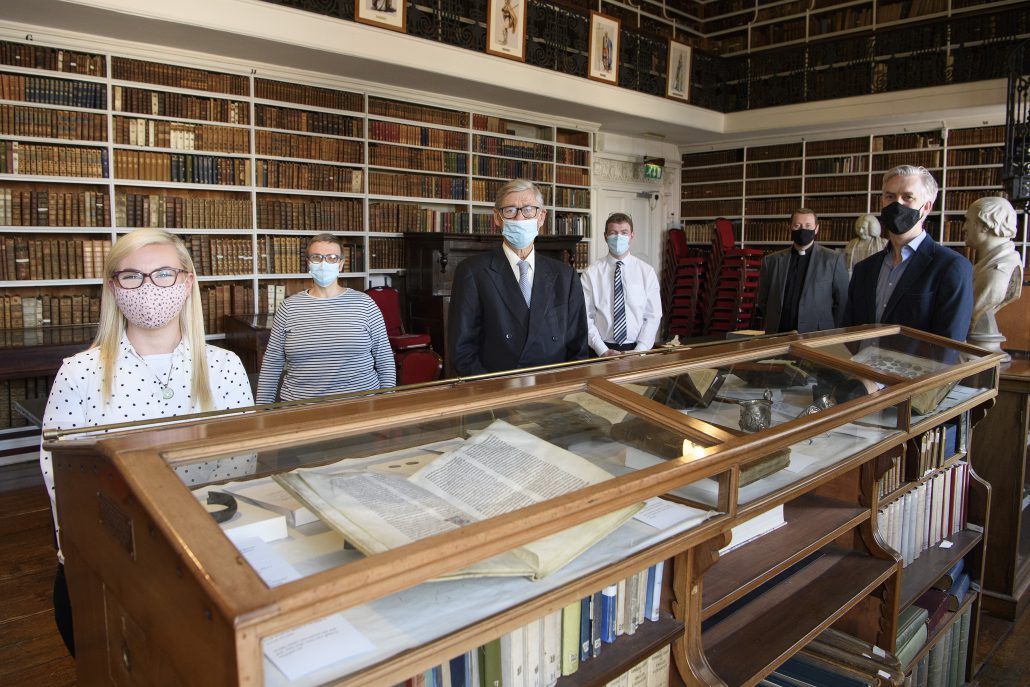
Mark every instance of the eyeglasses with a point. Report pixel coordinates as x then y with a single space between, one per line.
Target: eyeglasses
331 258
803 226
162 276
509 211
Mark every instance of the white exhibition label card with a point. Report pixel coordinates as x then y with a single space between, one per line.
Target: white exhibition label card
314 646
273 569
662 514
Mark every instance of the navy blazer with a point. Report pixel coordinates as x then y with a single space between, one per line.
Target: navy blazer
822 295
934 294
489 327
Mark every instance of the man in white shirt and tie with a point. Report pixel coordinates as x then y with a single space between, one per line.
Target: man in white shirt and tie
623 299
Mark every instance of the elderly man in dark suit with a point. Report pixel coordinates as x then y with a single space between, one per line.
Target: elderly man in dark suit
804 287
510 307
914 281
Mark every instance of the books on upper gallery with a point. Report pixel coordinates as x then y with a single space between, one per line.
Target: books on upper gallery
498 470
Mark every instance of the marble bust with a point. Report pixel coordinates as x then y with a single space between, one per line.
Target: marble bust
867 241
998 272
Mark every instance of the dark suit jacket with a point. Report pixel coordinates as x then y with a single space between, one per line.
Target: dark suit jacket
934 294
490 328
823 294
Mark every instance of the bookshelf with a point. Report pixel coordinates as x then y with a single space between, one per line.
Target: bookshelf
244 168
840 179
727 618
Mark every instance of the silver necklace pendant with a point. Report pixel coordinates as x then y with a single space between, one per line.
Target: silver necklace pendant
166 392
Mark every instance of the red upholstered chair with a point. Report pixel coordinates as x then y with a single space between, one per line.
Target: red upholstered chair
389 304
416 361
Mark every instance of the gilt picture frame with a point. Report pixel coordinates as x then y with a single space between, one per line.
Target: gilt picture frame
677 79
506 29
603 62
387 14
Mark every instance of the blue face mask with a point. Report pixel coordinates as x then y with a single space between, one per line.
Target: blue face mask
618 244
519 233
323 273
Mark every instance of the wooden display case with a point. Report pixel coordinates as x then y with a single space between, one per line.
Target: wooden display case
161 594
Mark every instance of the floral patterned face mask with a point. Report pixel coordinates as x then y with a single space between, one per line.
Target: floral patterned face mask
149 306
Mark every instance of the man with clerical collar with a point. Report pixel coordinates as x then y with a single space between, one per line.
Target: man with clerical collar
804 287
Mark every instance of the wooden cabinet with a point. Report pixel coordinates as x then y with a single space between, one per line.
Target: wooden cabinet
1002 455
159 591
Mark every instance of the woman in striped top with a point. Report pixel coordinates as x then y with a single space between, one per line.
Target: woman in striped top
330 339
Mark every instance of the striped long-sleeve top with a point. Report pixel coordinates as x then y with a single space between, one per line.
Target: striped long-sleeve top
327 346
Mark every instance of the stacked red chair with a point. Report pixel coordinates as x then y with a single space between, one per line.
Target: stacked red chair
683 274
732 283
416 361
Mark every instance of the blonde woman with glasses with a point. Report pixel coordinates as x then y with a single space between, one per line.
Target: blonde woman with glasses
329 339
149 361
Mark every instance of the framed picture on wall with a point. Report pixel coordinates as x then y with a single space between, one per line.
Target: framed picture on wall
603 64
506 29
388 14
677 81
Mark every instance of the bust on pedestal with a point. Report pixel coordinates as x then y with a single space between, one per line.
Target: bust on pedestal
866 243
998 271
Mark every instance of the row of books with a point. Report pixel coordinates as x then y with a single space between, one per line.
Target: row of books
417 185
886 12
844 146
892 480
184 106
713 190
392 132
386 253
832 22
311 147
850 164
932 449
181 211
927 514
53 59
181 168
704 175
52 258
555 646
221 256
931 159
14 390
572 198
497 125
219 300
417 158
838 659
157 133
945 664
26 312
979 176
715 157
571 156
774 187
307 176
52 160
831 204
959 201
837 184
774 152
305 120
783 168
710 208
569 224
308 95
50 91
976 136
512 169
419 113
572 175
54 208
16 120
126 69
311 214
503 146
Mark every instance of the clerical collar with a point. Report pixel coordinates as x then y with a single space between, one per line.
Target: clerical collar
799 251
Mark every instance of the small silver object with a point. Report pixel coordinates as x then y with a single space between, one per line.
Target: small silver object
167 392
756 414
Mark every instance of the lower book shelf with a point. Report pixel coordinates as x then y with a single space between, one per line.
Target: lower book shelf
791 610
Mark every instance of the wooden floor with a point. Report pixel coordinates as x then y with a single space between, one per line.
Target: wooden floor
31 651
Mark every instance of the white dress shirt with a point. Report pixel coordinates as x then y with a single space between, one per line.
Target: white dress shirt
642 296
136 394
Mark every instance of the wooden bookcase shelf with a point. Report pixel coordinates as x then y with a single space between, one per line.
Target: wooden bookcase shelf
920 575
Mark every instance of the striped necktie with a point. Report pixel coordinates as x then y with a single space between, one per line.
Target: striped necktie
619 307
524 284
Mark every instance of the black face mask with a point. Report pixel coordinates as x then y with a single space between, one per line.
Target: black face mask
802 237
899 218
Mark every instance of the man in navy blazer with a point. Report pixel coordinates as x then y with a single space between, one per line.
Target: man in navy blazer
511 307
914 281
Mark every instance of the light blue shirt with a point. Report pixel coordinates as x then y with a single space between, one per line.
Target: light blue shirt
890 274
